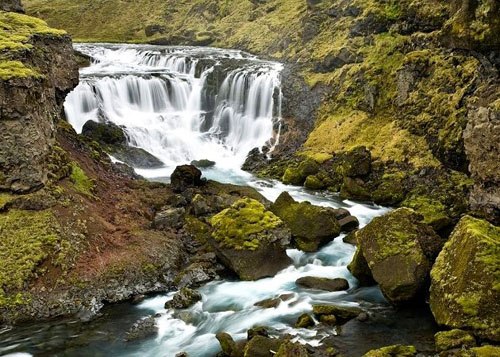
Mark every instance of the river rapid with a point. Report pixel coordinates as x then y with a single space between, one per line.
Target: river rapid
183 104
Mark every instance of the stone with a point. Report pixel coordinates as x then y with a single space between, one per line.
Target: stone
390 351
342 313
297 176
348 224
399 250
465 280
200 205
304 321
260 346
360 269
250 240
104 133
290 349
257 331
338 60
184 177
203 164
183 299
12 5
323 283
227 343
311 226
135 157
268 303
141 329
169 217
448 340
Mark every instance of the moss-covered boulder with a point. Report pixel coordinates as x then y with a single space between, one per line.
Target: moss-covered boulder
447 340
393 351
360 269
399 250
185 298
250 240
260 346
311 226
465 280
304 321
341 314
290 349
297 175
312 282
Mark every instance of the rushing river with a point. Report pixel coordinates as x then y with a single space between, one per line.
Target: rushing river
183 104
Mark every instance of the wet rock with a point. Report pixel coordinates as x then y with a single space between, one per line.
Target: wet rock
257 331
355 188
137 299
182 354
399 250
184 177
196 274
323 283
255 160
304 321
268 303
104 133
348 224
360 269
351 238
297 176
250 240
290 349
448 340
185 298
227 343
261 346
396 350
142 329
136 157
311 226
465 282
341 313
203 164
169 217
313 182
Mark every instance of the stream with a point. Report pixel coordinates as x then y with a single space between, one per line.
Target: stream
183 104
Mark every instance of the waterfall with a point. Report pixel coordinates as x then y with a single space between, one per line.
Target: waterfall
181 103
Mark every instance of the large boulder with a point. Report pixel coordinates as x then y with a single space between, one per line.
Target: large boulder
311 226
183 299
465 280
250 240
185 176
312 282
399 250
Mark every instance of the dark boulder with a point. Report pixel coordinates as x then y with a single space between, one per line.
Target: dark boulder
185 298
142 329
184 177
203 164
342 314
326 284
104 133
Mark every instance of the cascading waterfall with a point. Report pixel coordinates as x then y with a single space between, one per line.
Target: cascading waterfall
181 104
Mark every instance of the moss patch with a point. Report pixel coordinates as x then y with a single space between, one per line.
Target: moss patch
15 69
81 181
243 225
27 240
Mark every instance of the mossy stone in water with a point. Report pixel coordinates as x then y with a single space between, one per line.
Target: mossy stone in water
297 175
447 340
360 269
290 349
399 249
465 280
304 321
392 351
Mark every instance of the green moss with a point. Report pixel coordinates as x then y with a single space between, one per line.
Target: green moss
447 340
16 69
396 350
314 183
243 225
27 240
434 211
4 199
486 351
81 181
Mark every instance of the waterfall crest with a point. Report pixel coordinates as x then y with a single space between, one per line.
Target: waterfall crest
181 103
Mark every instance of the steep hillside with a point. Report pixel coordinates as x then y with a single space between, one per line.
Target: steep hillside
402 78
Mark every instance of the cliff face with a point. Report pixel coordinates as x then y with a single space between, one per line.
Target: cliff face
11 5
37 71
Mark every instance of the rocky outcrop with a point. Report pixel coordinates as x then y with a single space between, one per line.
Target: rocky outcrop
465 280
33 84
481 138
183 299
311 226
399 250
250 240
184 177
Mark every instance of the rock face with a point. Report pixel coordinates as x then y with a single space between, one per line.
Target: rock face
33 85
465 285
311 226
250 240
114 141
481 138
399 250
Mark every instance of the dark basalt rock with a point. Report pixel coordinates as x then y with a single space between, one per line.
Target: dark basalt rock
184 177
185 298
202 164
12 5
323 283
142 329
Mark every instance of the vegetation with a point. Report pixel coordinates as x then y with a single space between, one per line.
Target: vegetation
82 182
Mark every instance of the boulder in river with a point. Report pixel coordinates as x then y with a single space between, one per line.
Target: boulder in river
250 240
141 329
185 298
448 340
342 314
203 164
311 226
399 250
185 176
396 350
326 284
465 280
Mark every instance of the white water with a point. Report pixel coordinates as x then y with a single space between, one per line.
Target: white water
157 95
162 99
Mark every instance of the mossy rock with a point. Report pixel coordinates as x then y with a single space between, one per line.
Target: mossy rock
393 351
355 188
434 211
290 349
297 175
250 240
399 248
447 340
304 321
342 314
465 280
313 182
311 226
262 346
354 163
360 269
390 191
